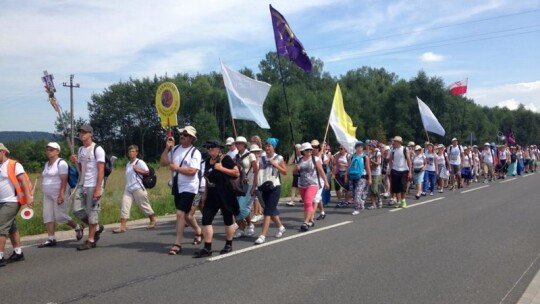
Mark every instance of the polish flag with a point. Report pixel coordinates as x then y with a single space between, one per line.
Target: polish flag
459 88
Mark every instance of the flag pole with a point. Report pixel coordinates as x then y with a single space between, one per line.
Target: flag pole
327 126
285 95
427 134
234 128
464 105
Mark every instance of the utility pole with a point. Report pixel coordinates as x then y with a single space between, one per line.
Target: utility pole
71 86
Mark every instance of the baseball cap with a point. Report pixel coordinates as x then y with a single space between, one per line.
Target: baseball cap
86 128
54 145
229 141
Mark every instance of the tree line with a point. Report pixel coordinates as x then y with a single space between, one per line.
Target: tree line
380 104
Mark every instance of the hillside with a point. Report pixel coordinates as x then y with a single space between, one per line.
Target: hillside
10 136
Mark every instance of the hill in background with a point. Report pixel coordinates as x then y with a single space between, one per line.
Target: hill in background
11 136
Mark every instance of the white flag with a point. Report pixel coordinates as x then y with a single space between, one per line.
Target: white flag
341 122
429 120
246 96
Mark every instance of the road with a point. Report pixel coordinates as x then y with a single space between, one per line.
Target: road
476 245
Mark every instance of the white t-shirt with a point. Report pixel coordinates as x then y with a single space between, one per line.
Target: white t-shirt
90 176
418 161
467 160
7 190
187 183
233 153
454 154
376 170
487 155
430 157
134 179
399 162
247 162
51 176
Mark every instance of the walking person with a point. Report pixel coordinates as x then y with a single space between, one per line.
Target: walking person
318 151
456 155
258 203
135 191
250 167
487 158
293 161
11 174
419 165
376 188
430 173
359 176
442 167
341 163
56 192
401 171
184 161
87 203
219 195
271 167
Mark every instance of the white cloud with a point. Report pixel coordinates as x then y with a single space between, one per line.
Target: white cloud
508 95
431 57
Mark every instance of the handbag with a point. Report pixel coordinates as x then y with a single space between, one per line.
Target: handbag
266 186
417 170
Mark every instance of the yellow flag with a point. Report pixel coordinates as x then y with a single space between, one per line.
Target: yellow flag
341 122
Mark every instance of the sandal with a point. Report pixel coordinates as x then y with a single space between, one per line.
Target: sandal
175 249
152 225
226 249
202 253
197 239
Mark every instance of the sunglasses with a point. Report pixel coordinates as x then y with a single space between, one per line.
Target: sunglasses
316 147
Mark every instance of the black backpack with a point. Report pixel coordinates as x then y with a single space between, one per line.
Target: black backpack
240 184
108 163
149 180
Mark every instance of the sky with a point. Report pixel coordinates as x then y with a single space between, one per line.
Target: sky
492 43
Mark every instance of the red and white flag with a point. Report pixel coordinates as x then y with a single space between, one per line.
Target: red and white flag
459 88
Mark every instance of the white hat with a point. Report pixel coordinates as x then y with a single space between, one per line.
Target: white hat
386 148
487 144
417 147
54 145
398 138
2 147
306 146
241 139
229 141
411 144
189 130
254 148
297 146
454 139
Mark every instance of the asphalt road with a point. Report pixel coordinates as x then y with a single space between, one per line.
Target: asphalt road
476 245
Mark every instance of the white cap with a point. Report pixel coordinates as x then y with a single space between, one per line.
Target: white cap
54 145
306 146
229 141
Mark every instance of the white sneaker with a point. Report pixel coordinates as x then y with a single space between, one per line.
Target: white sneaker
356 212
238 234
290 204
254 218
280 231
260 240
250 230
431 194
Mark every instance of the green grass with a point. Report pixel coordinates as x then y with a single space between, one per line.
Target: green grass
160 199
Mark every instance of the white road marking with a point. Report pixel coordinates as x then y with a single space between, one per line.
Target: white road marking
508 180
470 190
528 174
254 247
419 204
520 278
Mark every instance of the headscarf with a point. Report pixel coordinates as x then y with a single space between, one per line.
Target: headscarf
273 141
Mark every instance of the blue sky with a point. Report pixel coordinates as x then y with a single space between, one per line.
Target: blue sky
493 43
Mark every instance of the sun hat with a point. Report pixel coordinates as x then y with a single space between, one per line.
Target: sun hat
2 147
255 148
306 146
212 144
417 147
241 140
398 138
189 130
315 143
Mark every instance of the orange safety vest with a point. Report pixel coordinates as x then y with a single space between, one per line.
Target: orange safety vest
13 179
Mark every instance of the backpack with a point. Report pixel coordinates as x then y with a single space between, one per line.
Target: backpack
513 158
19 193
73 175
240 184
149 180
108 163
357 167
315 166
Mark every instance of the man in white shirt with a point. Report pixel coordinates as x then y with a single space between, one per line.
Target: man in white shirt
9 206
456 155
86 205
487 157
184 161
233 151
401 171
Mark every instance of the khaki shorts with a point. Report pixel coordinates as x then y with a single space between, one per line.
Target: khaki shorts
8 215
84 205
376 185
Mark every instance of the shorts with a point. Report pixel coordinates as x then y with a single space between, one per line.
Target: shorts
340 182
52 212
456 170
183 201
376 185
418 177
210 211
308 194
84 205
399 181
271 200
295 181
197 199
8 215
243 202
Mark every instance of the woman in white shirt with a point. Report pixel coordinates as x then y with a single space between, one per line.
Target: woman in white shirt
430 174
55 195
419 165
135 191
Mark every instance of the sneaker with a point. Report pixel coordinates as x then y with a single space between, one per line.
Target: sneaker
281 230
3 262
48 243
238 234
370 208
311 224
250 230
98 233
304 227
79 232
87 245
14 257
423 194
441 191
431 194
403 204
290 204
256 218
322 216
260 240
356 212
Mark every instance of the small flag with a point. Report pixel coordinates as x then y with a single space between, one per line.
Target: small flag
429 120
341 122
459 88
287 44
510 139
246 96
